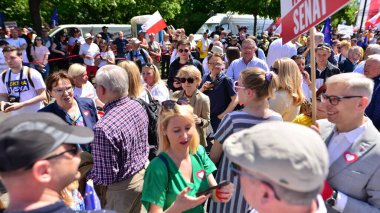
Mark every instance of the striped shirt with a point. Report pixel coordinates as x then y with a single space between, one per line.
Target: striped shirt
120 148
231 123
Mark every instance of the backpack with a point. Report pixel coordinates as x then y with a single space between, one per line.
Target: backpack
27 74
152 109
138 62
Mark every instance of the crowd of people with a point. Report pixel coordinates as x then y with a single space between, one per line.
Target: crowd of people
234 129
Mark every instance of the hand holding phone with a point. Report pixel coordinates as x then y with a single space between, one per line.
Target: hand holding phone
206 191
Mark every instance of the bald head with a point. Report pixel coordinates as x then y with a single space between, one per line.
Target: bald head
372 66
218 43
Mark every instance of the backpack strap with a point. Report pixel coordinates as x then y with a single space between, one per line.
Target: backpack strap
3 74
167 167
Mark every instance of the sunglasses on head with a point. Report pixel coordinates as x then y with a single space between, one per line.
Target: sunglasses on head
183 50
189 80
169 104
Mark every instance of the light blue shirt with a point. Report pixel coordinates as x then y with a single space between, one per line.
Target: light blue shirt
238 65
360 68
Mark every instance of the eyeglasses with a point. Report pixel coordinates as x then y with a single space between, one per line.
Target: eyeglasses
60 91
74 150
183 50
236 171
236 86
334 100
169 104
189 80
216 64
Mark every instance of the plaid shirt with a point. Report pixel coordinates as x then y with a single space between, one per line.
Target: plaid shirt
120 148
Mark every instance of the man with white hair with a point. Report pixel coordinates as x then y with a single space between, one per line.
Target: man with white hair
120 148
353 143
372 49
372 70
352 60
281 172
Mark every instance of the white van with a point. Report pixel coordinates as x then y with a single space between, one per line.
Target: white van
92 28
230 21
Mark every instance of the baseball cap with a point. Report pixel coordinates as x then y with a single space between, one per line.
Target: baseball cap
217 49
290 155
28 137
88 35
135 41
104 27
151 34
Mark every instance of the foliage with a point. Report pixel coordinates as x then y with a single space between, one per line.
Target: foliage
347 14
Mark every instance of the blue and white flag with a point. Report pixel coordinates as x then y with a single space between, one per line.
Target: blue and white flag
91 199
54 19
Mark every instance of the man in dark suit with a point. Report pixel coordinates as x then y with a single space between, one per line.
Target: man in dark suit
372 70
353 143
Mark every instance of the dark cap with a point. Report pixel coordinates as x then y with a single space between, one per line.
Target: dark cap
104 27
75 30
28 137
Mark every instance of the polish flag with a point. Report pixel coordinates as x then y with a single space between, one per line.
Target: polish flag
372 22
154 24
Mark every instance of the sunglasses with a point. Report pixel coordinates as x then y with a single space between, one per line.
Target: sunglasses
183 50
236 86
169 104
189 80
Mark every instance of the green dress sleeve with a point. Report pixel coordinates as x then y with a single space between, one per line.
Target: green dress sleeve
155 184
208 165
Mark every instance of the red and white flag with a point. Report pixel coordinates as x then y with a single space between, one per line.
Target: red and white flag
372 22
371 9
154 24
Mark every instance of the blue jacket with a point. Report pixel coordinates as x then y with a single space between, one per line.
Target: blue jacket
373 109
86 107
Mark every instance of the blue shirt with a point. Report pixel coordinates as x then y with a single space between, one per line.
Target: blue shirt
120 46
238 65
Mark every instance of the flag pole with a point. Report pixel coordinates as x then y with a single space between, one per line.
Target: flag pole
313 75
361 22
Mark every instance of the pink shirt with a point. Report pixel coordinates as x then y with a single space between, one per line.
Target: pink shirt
39 53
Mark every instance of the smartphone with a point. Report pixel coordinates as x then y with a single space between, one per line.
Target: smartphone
206 191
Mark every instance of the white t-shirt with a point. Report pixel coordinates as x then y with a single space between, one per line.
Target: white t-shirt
277 50
73 40
26 90
91 50
107 55
160 92
18 43
87 91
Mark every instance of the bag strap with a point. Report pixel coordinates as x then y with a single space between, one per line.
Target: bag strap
27 74
167 167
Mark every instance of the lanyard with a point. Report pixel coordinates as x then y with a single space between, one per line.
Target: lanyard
19 82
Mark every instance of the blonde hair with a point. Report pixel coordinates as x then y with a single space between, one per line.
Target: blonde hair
345 43
76 70
290 79
185 111
263 83
156 72
135 86
191 71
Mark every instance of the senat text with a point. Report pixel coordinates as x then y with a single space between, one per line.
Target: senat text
307 13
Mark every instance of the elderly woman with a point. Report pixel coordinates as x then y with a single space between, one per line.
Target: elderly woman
182 168
75 111
289 96
154 84
83 87
190 78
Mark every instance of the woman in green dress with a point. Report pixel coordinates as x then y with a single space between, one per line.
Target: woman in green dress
182 168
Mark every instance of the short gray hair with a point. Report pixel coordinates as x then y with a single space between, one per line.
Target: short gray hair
76 70
355 82
374 49
248 40
113 78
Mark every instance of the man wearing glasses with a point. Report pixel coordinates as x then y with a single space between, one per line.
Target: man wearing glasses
353 145
281 172
39 157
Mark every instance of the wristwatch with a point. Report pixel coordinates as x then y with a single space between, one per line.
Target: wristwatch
331 201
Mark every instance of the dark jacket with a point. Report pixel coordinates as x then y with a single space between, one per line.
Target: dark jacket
327 73
86 107
174 68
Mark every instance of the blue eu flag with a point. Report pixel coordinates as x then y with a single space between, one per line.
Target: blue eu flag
91 199
54 19
327 31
